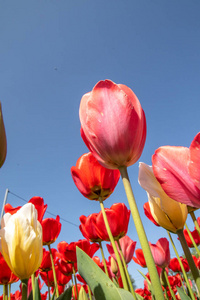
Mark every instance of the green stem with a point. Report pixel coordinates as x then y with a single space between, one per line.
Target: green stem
196 224
113 245
192 240
33 285
74 273
73 288
193 268
54 272
49 296
142 235
126 271
5 292
24 288
182 268
9 291
169 286
103 258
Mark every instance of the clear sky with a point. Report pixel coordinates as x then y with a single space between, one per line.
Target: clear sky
53 52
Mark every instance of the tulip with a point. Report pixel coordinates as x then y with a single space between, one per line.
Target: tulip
113 124
88 227
171 167
161 253
3 142
195 236
147 212
6 275
51 229
139 259
92 179
167 212
21 241
195 161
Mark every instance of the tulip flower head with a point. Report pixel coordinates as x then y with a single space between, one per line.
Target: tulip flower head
161 253
92 179
21 241
167 212
113 124
51 230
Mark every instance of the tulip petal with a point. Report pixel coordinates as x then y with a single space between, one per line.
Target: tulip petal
170 169
194 164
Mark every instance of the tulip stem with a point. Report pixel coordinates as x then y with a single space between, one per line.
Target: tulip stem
5 292
103 258
89 293
24 288
54 272
33 285
169 286
9 291
192 240
74 273
194 270
182 267
49 296
113 245
142 235
126 271
195 221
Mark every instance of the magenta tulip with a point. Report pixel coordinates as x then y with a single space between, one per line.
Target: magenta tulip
194 163
161 252
113 124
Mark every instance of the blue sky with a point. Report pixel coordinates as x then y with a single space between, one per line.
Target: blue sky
53 52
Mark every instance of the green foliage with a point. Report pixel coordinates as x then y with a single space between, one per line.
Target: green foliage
182 294
102 287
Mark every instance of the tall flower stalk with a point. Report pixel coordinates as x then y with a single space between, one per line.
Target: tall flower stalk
141 234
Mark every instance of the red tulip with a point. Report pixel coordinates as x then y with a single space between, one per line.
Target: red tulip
148 214
113 124
127 246
195 236
118 218
92 179
38 203
6 276
139 259
88 227
46 264
161 252
66 268
173 168
51 229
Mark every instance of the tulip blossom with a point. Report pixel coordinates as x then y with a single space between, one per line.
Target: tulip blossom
92 179
195 161
21 241
167 212
51 229
147 212
139 259
127 247
88 227
161 252
6 275
175 266
38 203
113 124
118 218
176 170
46 264
3 141
195 236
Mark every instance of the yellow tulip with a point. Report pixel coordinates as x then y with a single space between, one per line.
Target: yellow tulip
167 212
3 142
21 241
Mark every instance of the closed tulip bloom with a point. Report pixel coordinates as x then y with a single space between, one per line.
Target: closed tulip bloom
161 252
21 241
92 179
176 170
3 141
195 161
167 212
113 124
195 236
51 230
139 259
88 227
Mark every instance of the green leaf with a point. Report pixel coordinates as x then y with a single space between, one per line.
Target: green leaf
102 287
182 294
139 297
66 295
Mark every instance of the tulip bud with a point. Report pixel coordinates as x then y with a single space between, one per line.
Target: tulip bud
3 142
82 294
21 241
114 266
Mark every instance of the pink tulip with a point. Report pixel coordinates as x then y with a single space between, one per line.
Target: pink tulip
127 246
161 252
170 167
113 124
194 163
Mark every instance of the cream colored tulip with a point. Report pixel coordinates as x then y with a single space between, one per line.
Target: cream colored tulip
167 212
21 241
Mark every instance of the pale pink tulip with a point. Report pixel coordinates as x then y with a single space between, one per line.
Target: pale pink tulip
113 124
161 252
194 164
170 167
